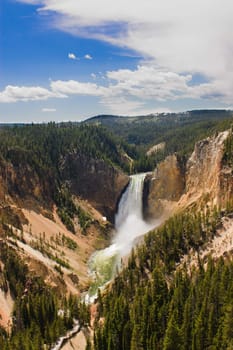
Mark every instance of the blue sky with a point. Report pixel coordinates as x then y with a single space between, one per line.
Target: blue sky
69 59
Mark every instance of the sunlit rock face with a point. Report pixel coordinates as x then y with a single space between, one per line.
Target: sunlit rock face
204 180
163 187
208 180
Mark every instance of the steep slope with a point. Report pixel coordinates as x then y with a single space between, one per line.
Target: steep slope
219 245
163 188
205 179
175 292
205 173
38 161
50 250
95 180
57 184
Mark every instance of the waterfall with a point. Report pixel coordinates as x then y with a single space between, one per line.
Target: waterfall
131 201
129 225
129 221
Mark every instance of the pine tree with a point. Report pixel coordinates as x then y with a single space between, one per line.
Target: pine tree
172 338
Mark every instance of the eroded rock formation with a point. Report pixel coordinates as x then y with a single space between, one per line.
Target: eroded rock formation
205 180
95 180
163 188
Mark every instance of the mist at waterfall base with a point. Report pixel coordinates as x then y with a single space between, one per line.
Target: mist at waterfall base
129 225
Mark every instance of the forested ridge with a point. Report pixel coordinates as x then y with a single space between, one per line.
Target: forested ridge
41 314
37 152
153 129
109 138
178 131
153 305
43 146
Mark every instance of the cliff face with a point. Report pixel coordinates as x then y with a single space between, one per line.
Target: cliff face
206 180
94 180
163 188
20 182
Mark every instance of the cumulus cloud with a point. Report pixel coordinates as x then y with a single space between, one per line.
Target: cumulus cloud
88 57
177 40
26 93
127 91
149 82
58 89
72 87
72 56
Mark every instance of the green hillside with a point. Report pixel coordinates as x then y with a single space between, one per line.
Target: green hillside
179 132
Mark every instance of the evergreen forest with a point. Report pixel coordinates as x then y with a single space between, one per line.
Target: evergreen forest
159 300
152 304
41 315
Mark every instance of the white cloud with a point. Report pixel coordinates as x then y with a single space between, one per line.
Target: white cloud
148 82
72 56
58 89
88 57
48 110
72 87
191 36
25 93
127 91
177 40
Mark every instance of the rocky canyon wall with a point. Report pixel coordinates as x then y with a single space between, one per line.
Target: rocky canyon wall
94 180
205 180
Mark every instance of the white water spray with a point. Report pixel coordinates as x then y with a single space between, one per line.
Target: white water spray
129 221
129 225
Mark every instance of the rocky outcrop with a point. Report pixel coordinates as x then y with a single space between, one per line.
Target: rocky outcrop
22 183
208 181
95 180
30 186
163 188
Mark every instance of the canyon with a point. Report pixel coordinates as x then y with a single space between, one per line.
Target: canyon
60 257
